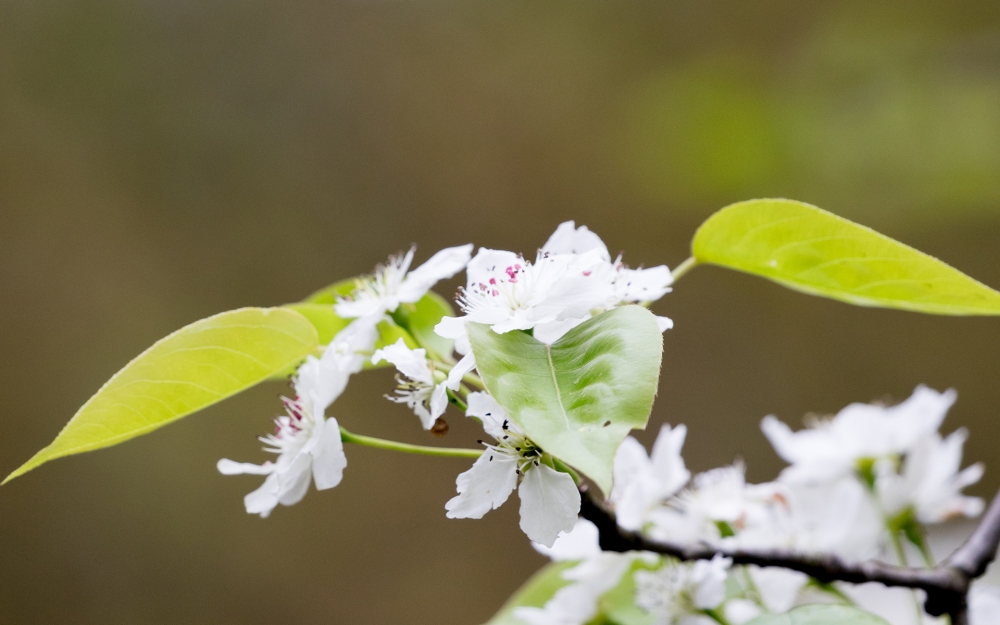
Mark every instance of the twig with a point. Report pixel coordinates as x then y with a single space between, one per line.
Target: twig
946 585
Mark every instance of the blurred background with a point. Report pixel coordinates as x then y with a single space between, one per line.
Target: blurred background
163 161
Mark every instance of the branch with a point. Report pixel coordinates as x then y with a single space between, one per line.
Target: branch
946 585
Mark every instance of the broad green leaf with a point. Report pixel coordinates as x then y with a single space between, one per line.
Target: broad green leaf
535 593
579 397
420 319
194 367
820 615
810 250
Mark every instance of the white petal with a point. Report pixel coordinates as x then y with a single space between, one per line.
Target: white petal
778 588
440 266
229 467
644 285
487 262
263 500
550 503
410 362
551 332
582 542
451 328
482 406
711 578
329 460
668 464
293 483
568 239
358 308
465 365
664 323
484 487
439 402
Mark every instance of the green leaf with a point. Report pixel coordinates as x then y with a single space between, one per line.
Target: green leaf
820 615
535 592
420 319
810 250
194 367
579 398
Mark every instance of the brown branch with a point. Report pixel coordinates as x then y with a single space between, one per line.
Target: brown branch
946 585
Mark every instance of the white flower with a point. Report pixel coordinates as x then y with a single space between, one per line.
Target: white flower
548 296
931 482
643 482
307 444
596 574
630 285
835 517
572 278
860 432
680 593
393 284
721 508
550 500
425 395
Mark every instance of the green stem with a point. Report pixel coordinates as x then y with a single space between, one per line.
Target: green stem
683 268
716 615
421 450
454 398
897 546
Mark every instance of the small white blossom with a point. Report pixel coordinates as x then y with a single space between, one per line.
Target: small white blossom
307 444
550 500
426 395
643 482
679 593
860 432
596 574
931 483
571 278
393 284
721 508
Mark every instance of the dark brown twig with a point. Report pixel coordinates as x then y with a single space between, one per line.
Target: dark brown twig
946 585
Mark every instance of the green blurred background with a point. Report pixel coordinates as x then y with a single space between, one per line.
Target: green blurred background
161 161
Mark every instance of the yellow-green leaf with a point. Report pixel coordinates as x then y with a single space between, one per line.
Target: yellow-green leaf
194 367
811 250
535 592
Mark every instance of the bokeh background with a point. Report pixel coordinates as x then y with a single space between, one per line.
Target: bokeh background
161 161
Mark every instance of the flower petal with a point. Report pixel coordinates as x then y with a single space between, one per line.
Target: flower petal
568 239
465 365
263 500
440 266
484 487
482 405
410 362
329 460
582 542
550 503
229 467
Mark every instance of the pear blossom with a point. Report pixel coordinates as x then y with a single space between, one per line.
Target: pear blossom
550 500
425 394
858 434
393 283
306 443
643 482
721 508
930 482
596 574
680 593
571 278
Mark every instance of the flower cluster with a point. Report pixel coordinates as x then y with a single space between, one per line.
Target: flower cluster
858 484
864 483
572 279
